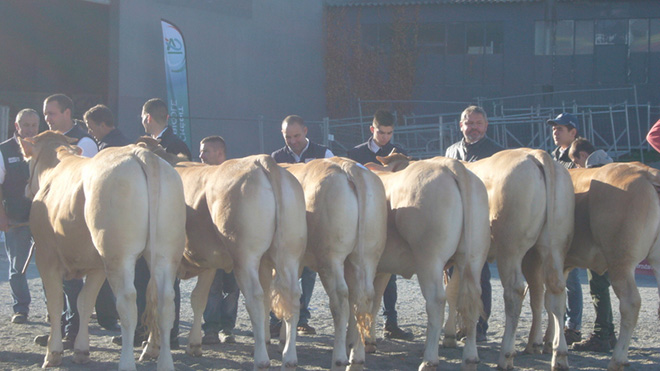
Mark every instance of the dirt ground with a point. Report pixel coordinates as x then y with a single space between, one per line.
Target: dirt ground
18 351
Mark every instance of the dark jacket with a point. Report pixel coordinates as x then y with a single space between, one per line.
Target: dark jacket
362 154
78 133
313 151
114 139
564 159
473 152
173 144
17 206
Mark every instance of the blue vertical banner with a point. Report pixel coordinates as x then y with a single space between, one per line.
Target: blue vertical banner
177 80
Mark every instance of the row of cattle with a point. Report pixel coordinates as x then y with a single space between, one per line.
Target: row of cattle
355 227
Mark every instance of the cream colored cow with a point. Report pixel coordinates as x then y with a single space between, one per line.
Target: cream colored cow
617 225
438 215
346 221
531 210
248 215
94 218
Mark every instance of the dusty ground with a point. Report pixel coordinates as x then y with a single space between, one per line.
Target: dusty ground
17 350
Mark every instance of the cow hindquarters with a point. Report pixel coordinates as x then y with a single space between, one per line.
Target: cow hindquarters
86 301
51 276
198 300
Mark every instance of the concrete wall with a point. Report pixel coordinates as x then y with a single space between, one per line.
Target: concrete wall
246 59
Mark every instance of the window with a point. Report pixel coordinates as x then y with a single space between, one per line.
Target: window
655 35
638 35
584 37
564 38
377 36
611 32
542 38
431 38
483 38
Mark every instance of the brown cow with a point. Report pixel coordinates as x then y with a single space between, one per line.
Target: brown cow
617 225
438 215
346 221
248 215
95 217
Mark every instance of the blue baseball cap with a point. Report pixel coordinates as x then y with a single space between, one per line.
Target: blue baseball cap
565 119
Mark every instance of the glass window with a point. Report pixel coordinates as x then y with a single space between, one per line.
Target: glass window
455 38
584 37
655 35
564 38
431 38
611 32
474 38
542 38
494 38
638 35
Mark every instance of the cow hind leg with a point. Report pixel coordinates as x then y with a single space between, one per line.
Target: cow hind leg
247 277
122 284
380 283
164 274
625 287
332 277
531 268
86 301
286 302
52 281
430 276
514 288
555 304
198 299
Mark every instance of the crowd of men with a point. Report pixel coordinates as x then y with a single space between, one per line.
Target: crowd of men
100 131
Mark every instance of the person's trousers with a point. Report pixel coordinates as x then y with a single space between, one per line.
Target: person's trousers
106 307
18 241
70 316
222 305
599 285
307 281
574 298
389 303
486 299
141 280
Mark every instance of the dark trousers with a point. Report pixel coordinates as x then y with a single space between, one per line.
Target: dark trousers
70 316
222 305
389 303
486 299
599 285
141 280
106 308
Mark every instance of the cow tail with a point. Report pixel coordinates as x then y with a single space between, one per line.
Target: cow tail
547 166
469 305
366 197
282 298
151 168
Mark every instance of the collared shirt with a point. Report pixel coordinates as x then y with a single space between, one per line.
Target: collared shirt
87 145
297 157
471 152
3 170
373 147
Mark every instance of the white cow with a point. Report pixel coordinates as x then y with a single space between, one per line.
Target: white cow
347 223
617 225
94 217
248 215
438 215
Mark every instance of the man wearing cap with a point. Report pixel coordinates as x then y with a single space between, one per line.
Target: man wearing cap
564 131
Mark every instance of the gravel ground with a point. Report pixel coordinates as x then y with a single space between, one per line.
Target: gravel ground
17 350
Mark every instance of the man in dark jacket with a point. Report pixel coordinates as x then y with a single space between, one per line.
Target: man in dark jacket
101 126
380 144
299 149
473 147
15 210
154 120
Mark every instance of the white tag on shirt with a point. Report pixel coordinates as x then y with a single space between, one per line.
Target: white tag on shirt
13 160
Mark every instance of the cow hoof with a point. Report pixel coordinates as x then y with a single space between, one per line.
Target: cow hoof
194 350
290 366
535 348
149 353
506 368
53 359
80 356
262 366
449 341
428 366
559 367
370 348
616 366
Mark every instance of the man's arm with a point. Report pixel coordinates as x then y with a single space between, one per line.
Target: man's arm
653 137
